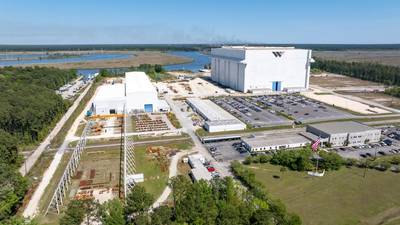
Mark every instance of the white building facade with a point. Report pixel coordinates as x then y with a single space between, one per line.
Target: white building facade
216 118
137 94
261 69
109 99
141 95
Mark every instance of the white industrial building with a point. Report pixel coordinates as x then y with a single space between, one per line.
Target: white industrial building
261 69
198 171
141 95
217 119
347 133
109 99
274 142
137 93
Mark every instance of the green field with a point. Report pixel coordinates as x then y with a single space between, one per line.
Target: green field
339 198
155 178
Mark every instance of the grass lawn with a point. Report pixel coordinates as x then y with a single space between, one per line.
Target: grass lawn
174 121
339 198
80 129
155 178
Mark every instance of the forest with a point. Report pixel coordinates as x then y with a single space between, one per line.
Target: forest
222 202
388 75
29 107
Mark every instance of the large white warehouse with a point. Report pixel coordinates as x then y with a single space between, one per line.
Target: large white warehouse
217 119
261 69
109 99
137 93
141 95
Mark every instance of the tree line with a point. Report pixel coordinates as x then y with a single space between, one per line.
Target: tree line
222 201
303 160
29 105
388 75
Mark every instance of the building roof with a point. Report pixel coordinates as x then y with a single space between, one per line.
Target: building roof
224 122
138 82
210 110
110 91
341 127
201 173
274 140
257 47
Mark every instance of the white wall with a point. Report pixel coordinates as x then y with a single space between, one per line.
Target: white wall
244 70
220 128
263 68
135 101
103 107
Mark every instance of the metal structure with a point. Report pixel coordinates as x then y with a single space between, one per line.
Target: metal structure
62 187
128 168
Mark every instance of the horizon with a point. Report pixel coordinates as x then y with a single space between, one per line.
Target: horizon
208 22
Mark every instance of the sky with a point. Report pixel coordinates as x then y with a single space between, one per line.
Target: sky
201 21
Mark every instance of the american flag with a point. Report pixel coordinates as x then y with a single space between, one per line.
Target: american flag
314 146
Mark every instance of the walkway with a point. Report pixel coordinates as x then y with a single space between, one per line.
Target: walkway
33 205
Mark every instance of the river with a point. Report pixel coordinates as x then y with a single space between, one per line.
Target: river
199 60
11 59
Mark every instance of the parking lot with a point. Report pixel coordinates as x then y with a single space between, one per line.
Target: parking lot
366 151
300 108
226 150
390 145
250 113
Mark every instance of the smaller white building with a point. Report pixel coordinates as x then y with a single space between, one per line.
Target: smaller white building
198 171
274 142
347 133
217 119
109 99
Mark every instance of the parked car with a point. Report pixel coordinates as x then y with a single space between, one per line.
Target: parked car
388 142
381 153
211 169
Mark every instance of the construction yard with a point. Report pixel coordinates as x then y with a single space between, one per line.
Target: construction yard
199 87
148 123
106 126
97 176
153 162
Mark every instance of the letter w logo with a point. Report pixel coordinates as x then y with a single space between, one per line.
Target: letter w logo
278 54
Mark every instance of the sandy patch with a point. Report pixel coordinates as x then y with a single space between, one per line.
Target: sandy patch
335 100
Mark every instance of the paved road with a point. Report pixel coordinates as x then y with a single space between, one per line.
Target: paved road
175 131
31 160
187 126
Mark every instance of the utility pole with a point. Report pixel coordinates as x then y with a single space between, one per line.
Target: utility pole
366 167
